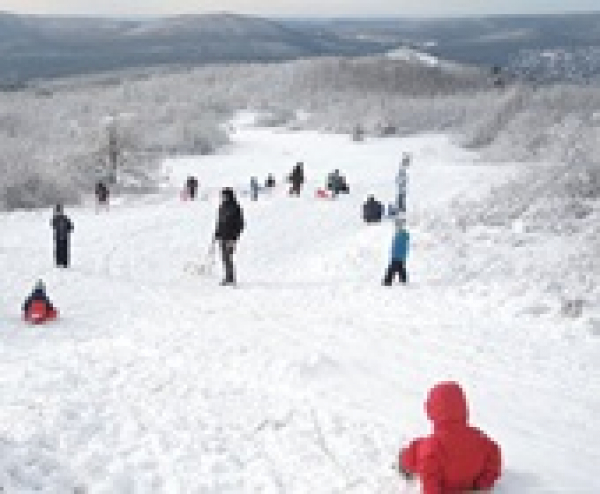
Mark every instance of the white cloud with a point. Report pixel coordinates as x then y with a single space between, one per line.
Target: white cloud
304 8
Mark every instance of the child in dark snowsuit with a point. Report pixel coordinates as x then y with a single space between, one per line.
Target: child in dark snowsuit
399 254
456 457
372 211
38 308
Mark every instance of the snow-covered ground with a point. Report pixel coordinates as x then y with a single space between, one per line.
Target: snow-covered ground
305 379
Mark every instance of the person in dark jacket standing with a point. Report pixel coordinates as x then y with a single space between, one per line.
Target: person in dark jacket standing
399 254
372 210
63 227
230 224
297 179
191 186
270 182
102 196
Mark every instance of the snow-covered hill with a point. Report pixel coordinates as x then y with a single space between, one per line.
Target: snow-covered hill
306 378
579 65
411 55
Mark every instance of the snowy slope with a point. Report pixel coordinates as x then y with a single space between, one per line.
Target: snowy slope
309 376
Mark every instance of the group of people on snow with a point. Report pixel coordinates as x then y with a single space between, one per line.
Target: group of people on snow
456 457
230 220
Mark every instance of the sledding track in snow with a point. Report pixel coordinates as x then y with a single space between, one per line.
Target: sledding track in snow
306 378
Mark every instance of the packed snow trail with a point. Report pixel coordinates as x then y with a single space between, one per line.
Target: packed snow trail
306 378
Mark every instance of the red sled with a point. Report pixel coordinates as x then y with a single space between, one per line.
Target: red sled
39 313
322 194
184 196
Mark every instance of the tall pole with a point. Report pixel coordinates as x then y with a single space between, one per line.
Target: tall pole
113 150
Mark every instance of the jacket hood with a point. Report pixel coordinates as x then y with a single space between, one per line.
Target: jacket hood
446 404
229 195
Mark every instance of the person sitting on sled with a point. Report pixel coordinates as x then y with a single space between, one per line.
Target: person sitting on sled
38 308
456 457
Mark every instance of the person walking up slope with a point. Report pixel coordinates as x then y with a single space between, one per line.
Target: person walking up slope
63 227
456 458
297 179
230 225
399 254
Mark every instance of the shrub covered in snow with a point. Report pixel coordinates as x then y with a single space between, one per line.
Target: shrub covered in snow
539 233
63 125
54 140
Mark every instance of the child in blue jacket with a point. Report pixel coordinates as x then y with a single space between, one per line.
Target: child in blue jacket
400 248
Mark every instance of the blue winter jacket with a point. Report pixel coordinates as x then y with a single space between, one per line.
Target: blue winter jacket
400 245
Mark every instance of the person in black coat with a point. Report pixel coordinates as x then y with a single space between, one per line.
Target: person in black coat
192 185
63 227
297 179
372 210
230 224
270 182
102 195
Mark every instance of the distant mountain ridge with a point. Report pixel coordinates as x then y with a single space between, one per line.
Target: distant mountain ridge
40 47
491 40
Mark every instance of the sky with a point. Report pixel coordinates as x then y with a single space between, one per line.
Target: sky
298 8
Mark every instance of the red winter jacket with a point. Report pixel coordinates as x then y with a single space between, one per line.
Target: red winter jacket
456 458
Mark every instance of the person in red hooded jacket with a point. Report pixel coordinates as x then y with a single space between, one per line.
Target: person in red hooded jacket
38 309
456 458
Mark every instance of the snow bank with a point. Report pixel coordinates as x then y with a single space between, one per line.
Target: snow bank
539 235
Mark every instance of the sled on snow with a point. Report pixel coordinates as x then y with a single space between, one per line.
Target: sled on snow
39 313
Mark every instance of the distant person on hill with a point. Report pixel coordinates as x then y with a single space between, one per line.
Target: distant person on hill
191 187
230 224
38 309
372 210
336 183
270 182
102 195
399 254
63 228
254 188
297 179
456 457
402 183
